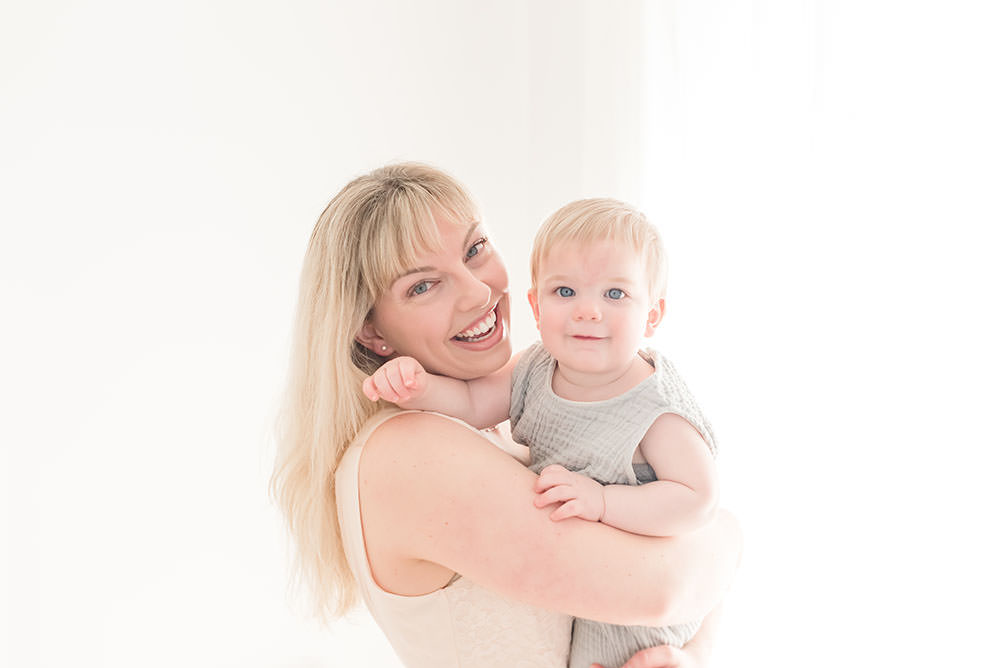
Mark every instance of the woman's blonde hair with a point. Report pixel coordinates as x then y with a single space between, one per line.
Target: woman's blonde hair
368 235
601 219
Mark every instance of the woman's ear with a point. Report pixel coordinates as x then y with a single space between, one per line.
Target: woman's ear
373 341
533 300
655 316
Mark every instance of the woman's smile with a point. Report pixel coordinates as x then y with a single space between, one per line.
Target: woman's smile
486 332
481 329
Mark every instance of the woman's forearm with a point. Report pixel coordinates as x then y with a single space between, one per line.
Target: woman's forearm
703 572
455 500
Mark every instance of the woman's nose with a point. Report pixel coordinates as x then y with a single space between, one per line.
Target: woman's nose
475 294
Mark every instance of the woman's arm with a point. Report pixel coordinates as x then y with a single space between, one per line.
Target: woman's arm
435 493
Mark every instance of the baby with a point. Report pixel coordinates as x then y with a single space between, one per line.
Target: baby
613 432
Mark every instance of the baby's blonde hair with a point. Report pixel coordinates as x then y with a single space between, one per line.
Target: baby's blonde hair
603 219
369 234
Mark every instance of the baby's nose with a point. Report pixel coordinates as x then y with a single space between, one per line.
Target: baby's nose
587 310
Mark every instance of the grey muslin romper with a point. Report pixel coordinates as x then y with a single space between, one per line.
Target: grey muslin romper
598 439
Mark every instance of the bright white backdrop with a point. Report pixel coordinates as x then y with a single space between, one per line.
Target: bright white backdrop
825 174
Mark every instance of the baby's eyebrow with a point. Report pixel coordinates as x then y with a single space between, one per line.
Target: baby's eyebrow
612 279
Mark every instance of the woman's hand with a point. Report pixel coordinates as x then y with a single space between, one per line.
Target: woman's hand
399 380
576 494
663 656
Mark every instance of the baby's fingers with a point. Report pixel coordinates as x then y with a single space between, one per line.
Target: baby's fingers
368 387
383 387
410 372
551 476
394 376
557 494
572 508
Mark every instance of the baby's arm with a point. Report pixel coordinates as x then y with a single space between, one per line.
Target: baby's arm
683 497
481 402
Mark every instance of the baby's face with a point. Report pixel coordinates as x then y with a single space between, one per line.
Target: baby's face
592 306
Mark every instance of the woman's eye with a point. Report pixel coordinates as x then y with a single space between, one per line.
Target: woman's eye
565 292
615 293
475 249
420 288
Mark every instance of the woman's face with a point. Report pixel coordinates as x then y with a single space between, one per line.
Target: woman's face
451 311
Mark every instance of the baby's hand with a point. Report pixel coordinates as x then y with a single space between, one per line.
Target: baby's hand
398 380
576 494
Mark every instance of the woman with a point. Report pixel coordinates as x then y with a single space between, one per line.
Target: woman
395 505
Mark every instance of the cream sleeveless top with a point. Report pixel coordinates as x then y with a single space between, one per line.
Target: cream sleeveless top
459 626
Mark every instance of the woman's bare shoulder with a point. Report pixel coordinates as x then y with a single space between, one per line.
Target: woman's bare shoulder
419 477
421 420
422 440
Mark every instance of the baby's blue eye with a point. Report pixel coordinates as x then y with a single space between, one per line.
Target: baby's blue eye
420 288
565 292
615 293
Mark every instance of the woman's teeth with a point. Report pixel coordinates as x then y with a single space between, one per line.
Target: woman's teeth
483 329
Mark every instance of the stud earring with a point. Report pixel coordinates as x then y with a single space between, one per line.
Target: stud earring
385 348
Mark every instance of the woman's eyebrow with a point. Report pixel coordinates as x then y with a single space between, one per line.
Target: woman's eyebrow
416 270
473 227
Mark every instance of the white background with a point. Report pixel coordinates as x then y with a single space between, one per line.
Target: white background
826 175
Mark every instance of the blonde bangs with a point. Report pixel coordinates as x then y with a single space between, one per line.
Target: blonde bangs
400 226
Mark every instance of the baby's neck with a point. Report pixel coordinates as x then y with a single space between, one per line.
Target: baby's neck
583 386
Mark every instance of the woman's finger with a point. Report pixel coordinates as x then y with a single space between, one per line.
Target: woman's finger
662 656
